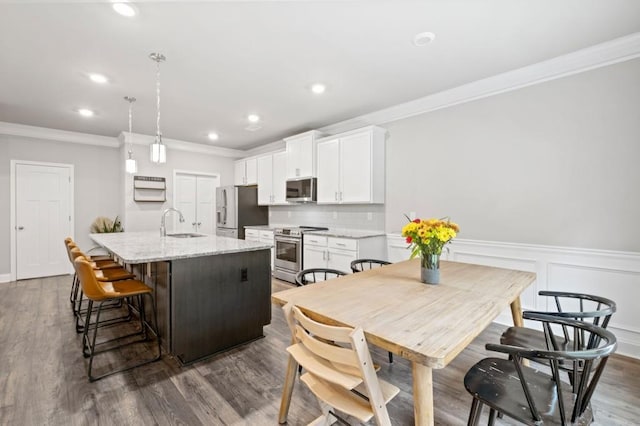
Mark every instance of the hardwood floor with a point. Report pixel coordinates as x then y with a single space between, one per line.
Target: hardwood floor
43 376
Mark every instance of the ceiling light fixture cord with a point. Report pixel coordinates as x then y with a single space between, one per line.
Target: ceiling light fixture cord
158 150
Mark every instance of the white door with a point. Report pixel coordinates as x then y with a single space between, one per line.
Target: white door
43 219
279 184
328 171
206 204
186 203
314 257
355 168
340 259
195 197
265 180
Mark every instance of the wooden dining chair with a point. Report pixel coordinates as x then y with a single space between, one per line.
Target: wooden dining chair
533 396
360 265
338 369
314 275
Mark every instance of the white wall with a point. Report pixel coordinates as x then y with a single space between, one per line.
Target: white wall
102 188
97 183
543 179
145 216
555 163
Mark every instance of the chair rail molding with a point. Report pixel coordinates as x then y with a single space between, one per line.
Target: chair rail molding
612 274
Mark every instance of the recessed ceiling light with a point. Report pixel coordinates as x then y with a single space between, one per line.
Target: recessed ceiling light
213 136
422 39
318 88
254 118
98 78
85 112
125 9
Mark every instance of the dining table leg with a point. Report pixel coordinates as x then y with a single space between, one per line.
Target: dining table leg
287 389
422 394
516 312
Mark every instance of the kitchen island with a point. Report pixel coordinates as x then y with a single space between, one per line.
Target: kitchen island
212 293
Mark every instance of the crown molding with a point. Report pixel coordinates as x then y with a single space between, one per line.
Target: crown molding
597 56
142 139
13 129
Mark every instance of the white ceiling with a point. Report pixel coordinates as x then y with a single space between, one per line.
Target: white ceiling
226 59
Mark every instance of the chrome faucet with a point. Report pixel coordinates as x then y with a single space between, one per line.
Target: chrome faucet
163 228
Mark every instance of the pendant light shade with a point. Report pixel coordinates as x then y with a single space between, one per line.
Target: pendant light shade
158 152
158 149
130 164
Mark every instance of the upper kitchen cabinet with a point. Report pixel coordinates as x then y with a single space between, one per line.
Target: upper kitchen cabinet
301 151
246 172
351 167
272 179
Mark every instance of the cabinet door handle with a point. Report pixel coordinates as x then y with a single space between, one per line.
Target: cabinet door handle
297 172
193 224
341 244
20 228
328 255
340 195
336 195
324 255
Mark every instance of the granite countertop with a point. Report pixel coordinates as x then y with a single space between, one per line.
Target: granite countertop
348 233
142 247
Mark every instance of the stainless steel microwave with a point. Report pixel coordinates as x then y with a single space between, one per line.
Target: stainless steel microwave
301 190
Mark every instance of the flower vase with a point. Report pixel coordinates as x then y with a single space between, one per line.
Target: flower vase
430 268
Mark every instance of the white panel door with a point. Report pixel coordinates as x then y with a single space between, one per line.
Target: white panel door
314 257
43 220
186 203
328 171
340 259
265 180
195 197
355 168
279 184
206 204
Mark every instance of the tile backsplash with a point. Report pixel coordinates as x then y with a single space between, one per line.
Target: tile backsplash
369 216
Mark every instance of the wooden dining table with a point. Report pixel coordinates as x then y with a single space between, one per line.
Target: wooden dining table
427 324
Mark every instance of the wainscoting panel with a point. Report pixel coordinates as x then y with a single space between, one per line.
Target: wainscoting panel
614 275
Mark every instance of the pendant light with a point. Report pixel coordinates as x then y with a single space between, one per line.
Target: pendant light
158 149
130 165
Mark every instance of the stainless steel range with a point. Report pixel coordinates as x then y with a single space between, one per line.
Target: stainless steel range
288 251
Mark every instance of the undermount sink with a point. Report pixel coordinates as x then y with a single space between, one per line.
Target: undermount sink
185 235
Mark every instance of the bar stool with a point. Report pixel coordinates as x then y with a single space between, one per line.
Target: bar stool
109 273
102 292
103 262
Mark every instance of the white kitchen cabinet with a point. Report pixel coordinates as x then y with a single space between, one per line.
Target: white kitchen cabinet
261 236
351 167
246 172
338 253
271 179
301 155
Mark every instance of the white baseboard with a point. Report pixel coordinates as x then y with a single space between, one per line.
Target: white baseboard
611 274
5 278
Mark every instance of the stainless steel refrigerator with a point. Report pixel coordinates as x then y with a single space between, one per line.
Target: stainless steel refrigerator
237 207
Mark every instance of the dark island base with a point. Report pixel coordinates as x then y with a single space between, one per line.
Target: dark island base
210 304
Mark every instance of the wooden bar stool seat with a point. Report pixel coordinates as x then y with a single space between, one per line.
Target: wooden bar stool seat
101 292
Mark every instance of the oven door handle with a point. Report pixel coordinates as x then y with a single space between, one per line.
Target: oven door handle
287 240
